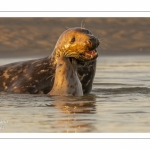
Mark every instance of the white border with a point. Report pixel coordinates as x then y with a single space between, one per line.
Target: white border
76 14
106 7
75 135
82 144
78 5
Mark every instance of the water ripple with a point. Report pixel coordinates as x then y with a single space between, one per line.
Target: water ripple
128 90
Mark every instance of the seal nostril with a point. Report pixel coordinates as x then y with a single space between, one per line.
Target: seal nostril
93 42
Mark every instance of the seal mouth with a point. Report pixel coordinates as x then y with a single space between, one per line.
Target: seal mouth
91 54
88 55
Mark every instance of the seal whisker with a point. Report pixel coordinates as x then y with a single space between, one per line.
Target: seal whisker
103 44
86 64
66 27
52 77
69 53
82 24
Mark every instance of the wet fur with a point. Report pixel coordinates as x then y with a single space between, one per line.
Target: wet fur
37 76
66 79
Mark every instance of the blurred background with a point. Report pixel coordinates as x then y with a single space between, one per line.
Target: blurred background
36 37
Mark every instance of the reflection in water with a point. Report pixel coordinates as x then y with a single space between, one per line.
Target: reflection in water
42 113
72 107
119 102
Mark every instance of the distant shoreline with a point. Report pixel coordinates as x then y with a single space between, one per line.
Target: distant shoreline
28 37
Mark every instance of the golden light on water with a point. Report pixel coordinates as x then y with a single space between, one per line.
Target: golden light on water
71 110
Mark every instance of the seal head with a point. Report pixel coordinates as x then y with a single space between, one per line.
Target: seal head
78 43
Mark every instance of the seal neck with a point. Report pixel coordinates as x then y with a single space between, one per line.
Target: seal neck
53 56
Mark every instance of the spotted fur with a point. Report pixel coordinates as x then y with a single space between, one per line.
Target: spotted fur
66 79
37 76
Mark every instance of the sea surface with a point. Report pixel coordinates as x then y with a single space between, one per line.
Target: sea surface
118 103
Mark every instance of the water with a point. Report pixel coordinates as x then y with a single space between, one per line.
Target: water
119 102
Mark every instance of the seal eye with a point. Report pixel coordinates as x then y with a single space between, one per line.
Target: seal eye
72 40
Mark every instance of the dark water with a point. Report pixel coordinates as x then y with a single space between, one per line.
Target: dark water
119 102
